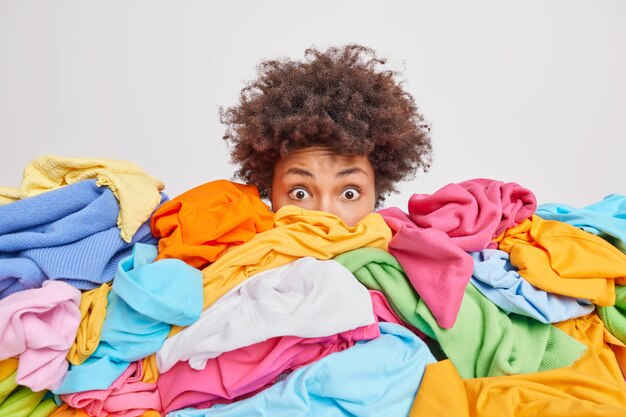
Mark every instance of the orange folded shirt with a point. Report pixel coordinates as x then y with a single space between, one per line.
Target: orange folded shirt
198 225
562 259
592 386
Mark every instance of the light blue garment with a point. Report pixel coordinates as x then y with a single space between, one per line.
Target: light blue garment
606 218
69 234
499 281
145 299
375 378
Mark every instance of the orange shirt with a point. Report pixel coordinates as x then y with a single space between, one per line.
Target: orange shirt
198 225
592 386
560 258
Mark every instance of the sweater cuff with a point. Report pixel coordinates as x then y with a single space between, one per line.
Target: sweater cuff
561 350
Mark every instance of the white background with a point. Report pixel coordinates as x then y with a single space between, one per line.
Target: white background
528 91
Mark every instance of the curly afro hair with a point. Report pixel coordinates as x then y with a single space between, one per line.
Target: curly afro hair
340 98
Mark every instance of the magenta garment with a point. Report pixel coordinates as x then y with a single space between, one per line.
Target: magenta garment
128 396
243 372
432 240
384 312
39 325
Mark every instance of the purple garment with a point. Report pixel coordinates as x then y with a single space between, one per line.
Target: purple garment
431 241
39 326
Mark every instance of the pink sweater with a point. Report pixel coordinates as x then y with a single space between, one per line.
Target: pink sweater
431 241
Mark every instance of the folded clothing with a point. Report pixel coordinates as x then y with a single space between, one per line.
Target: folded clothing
68 234
39 325
200 224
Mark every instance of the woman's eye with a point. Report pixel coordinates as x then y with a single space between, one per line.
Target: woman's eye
350 193
299 194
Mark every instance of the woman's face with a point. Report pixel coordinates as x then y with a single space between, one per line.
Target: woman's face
315 178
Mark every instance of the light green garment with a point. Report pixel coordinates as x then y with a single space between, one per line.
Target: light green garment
21 403
484 341
7 385
44 409
614 317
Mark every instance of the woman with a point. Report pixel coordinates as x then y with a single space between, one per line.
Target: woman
337 129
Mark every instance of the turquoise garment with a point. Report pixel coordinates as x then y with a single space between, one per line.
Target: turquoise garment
499 281
606 218
146 298
375 378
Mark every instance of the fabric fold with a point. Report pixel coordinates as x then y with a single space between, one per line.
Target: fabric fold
198 225
297 233
66 234
431 241
499 281
241 373
305 298
605 218
146 298
559 258
39 325
137 192
375 378
484 341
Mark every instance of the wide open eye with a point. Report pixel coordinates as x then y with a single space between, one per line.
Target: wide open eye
351 194
299 193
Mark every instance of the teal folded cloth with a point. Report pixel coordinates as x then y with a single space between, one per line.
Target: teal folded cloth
146 298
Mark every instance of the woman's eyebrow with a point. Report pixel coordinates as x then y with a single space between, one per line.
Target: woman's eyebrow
298 171
350 171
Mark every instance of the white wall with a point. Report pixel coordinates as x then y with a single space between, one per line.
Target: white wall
529 91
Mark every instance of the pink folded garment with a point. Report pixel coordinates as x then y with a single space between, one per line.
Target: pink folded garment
384 312
240 373
128 396
431 241
39 325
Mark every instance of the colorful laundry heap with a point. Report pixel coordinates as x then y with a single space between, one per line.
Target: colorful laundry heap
474 302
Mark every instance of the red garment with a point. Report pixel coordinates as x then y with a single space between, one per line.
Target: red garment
243 372
198 225
432 240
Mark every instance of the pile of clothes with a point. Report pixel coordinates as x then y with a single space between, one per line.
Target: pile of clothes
117 301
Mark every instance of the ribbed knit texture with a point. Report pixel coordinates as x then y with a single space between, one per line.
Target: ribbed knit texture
484 341
67 234
614 317
136 191
560 351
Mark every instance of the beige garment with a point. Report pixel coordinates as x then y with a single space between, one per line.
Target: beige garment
136 191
